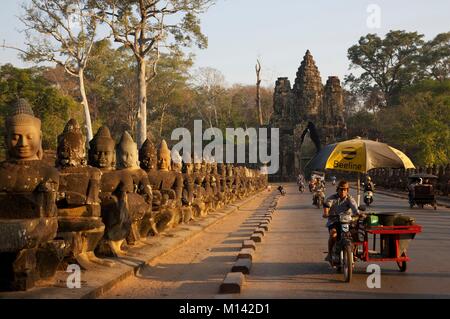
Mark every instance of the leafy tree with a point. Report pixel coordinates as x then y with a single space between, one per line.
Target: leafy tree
170 95
420 125
364 124
388 65
435 58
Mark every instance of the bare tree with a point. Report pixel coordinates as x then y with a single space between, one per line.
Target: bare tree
210 85
62 31
258 92
143 27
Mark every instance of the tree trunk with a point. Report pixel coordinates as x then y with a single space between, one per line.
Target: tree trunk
258 93
161 122
141 135
87 114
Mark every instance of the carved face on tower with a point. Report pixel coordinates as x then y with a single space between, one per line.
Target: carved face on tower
71 149
163 157
127 152
147 155
23 133
101 153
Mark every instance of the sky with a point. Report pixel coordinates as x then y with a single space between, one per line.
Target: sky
278 33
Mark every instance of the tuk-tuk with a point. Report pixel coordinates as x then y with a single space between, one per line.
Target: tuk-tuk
422 189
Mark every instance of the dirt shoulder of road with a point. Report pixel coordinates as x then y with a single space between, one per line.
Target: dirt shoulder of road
99 279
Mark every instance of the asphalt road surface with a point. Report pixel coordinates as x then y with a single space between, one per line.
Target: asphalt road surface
289 263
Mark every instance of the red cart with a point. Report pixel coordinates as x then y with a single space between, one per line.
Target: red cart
392 242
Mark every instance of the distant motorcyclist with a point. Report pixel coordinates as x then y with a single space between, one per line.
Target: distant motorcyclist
281 190
334 205
301 182
411 190
369 186
319 186
333 180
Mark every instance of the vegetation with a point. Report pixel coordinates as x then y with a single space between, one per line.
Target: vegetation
402 96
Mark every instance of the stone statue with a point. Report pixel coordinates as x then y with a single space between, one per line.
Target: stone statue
28 215
222 172
216 185
114 189
205 169
140 195
187 196
79 220
167 185
199 185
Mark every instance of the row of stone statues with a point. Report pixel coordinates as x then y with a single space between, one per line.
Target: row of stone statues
82 209
398 178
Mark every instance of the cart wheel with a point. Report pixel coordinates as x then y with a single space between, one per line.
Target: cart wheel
402 264
348 263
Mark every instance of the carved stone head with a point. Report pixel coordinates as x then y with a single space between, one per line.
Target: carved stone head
101 152
147 155
71 150
222 169
197 163
23 133
127 152
163 157
188 168
177 161
229 170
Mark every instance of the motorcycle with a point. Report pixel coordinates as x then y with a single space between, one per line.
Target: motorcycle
368 197
342 251
318 198
301 187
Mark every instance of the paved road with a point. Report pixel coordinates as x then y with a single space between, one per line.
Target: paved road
289 263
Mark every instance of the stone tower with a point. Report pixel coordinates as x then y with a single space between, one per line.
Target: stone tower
283 103
308 101
308 90
332 121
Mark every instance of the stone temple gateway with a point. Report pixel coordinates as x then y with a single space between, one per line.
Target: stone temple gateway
307 106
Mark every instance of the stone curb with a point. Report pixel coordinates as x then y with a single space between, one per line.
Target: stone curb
259 230
232 283
257 238
242 265
249 244
246 253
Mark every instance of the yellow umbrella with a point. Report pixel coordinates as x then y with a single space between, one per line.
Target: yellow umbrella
360 156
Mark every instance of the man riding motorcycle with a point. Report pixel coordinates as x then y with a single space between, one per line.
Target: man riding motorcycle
301 182
334 205
318 191
369 189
